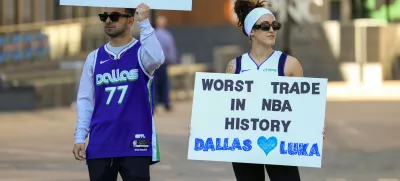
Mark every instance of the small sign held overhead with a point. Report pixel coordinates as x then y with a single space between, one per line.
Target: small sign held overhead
182 5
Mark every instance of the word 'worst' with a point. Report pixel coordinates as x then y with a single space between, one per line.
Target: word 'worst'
227 85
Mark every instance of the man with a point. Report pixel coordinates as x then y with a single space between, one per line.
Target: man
114 100
2 77
162 85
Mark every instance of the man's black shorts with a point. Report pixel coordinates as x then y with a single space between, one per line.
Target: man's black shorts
130 169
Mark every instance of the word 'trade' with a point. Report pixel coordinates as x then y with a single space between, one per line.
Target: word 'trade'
183 5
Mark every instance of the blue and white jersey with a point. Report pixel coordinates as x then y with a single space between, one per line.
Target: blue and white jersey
274 65
122 121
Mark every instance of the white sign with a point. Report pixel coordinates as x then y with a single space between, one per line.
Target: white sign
253 118
184 5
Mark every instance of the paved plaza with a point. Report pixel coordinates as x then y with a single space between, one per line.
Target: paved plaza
362 145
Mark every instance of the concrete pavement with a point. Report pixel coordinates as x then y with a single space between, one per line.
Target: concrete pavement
362 145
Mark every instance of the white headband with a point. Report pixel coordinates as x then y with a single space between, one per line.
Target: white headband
253 17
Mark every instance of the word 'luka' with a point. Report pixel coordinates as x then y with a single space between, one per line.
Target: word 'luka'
228 85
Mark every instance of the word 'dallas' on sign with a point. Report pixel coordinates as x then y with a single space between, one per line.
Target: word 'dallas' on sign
182 5
258 119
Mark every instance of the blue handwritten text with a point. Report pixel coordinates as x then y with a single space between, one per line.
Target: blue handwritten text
300 149
210 145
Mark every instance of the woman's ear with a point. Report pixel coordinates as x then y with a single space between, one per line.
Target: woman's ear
252 32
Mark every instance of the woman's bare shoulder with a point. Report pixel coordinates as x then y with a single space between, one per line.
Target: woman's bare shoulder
293 67
231 67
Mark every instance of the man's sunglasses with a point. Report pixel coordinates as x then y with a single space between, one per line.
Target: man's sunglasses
266 26
114 17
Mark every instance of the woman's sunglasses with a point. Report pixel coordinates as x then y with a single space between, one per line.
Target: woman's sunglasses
114 17
266 26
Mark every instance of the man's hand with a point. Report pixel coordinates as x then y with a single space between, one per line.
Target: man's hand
142 12
79 151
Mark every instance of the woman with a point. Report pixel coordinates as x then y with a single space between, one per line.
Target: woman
260 26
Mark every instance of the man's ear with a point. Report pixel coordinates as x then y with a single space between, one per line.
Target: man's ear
131 20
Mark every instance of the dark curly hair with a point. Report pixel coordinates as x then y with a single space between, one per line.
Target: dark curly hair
130 11
242 9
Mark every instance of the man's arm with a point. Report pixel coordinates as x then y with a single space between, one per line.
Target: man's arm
151 53
85 100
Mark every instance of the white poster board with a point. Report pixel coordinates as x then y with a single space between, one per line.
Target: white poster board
253 118
183 5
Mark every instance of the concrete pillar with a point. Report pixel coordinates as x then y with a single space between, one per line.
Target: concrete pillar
63 12
345 14
35 11
2 13
18 12
49 10
76 12
88 11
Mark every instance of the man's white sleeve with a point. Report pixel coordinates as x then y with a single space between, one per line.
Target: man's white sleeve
85 100
151 53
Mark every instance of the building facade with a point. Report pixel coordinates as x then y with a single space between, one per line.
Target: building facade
30 11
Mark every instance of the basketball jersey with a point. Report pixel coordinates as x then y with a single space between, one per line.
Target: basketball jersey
122 122
274 65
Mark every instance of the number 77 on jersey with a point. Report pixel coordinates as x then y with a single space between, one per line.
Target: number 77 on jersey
121 77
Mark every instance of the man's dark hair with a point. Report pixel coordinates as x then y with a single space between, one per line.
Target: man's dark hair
130 11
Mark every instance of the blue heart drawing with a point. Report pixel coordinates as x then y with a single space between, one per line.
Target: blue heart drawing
267 145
